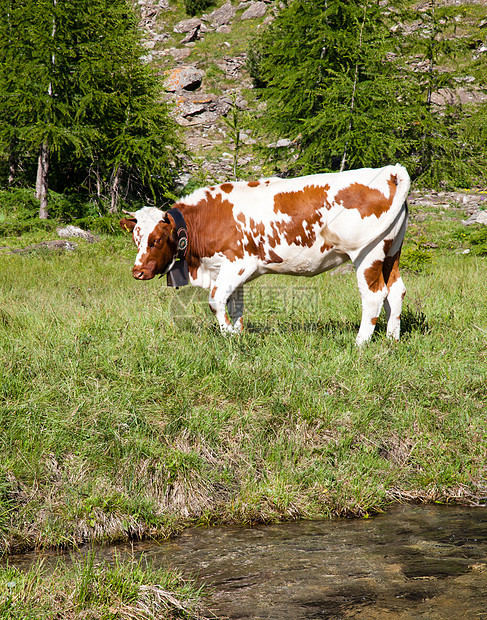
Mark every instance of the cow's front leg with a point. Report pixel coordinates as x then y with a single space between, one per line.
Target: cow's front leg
235 308
227 292
218 301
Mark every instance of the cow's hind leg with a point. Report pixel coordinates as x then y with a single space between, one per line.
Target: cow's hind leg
372 302
395 295
373 291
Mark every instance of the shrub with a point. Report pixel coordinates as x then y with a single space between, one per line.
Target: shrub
20 202
106 224
195 7
477 237
416 258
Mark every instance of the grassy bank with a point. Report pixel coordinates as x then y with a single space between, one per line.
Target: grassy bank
124 413
90 589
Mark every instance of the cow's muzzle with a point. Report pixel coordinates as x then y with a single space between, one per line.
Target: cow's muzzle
140 273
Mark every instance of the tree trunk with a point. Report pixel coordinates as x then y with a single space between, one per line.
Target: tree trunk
41 181
354 90
12 163
98 183
114 189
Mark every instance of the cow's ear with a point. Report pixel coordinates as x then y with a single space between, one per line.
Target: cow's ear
128 224
168 219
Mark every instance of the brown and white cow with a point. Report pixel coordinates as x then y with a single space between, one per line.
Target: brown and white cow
302 226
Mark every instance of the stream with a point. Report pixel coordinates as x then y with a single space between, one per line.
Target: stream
410 562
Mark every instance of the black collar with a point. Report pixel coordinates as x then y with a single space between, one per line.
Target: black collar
178 274
181 232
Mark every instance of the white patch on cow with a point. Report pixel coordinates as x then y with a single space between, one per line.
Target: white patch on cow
147 219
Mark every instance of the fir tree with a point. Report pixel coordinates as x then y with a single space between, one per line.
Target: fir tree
76 91
326 81
366 84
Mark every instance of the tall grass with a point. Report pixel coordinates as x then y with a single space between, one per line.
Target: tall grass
125 413
94 589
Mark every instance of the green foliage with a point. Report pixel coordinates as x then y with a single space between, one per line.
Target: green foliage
326 81
19 202
416 258
18 227
105 224
196 7
363 85
437 148
475 237
73 78
19 210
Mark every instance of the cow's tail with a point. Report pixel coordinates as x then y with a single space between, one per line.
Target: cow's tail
403 186
396 215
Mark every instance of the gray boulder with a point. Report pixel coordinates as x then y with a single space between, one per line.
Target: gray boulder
222 16
255 10
183 78
71 231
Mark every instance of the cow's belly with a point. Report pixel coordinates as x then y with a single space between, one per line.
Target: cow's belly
301 261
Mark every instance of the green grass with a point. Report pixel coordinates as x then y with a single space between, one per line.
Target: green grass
96 590
124 413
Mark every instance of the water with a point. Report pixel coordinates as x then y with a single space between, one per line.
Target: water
412 562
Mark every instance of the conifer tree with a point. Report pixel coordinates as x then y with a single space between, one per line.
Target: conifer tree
82 97
368 83
430 73
326 81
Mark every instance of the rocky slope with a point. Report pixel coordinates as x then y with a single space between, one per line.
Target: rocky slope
203 61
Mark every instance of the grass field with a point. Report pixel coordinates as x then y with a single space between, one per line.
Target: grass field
124 412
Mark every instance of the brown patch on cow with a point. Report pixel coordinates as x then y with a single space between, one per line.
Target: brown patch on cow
304 209
211 229
374 276
254 240
241 218
227 320
274 258
383 272
374 320
391 269
226 187
365 200
241 271
213 291
257 228
253 183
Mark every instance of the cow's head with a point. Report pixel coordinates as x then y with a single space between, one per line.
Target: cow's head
154 234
